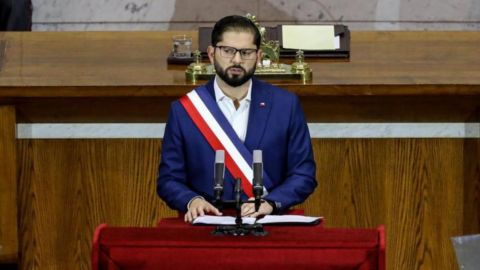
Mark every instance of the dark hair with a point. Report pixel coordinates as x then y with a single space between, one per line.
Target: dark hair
235 23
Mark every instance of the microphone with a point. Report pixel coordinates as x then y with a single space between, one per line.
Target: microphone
218 174
257 177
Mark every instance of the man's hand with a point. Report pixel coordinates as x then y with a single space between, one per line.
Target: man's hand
198 207
248 209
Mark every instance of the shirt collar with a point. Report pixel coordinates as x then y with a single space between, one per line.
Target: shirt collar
219 95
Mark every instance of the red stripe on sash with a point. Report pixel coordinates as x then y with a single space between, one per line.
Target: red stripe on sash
215 143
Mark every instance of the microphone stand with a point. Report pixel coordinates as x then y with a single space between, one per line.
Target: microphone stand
239 229
238 202
217 201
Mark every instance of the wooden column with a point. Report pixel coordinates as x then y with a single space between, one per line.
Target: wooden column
8 186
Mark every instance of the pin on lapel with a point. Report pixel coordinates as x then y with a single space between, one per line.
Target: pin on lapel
262 104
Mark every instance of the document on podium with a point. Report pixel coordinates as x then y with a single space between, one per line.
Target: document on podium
268 219
309 37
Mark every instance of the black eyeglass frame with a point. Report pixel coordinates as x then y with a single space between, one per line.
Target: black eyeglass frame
243 52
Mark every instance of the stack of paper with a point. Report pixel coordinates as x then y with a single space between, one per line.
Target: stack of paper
268 219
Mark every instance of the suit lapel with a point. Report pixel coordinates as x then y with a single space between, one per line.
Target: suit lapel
217 112
210 88
260 108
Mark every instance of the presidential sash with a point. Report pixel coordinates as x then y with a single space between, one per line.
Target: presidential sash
201 108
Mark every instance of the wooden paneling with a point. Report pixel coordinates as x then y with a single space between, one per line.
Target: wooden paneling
351 182
93 110
8 186
471 212
424 108
425 198
325 109
414 186
68 187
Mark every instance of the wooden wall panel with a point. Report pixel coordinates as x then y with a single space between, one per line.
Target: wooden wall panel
471 213
8 186
350 182
68 187
413 186
425 201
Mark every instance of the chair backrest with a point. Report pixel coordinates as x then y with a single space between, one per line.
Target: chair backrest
467 249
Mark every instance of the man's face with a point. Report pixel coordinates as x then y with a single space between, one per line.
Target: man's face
237 69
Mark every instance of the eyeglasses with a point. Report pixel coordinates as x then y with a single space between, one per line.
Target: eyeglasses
230 52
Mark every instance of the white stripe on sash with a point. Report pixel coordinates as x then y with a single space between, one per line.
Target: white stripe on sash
221 135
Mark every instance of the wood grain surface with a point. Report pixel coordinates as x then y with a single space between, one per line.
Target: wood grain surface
102 64
8 186
415 187
68 187
324 109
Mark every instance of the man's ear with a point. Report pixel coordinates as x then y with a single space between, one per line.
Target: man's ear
210 53
259 56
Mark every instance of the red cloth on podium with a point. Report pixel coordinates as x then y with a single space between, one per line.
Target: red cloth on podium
181 246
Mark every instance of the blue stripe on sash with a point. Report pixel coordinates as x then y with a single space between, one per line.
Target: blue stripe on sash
212 105
224 124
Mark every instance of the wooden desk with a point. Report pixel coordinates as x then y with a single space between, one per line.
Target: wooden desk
423 190
398 72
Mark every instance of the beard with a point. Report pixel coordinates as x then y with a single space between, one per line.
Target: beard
236 79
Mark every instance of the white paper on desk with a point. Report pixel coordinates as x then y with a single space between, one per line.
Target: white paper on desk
308 37
272 219
221 220
268 219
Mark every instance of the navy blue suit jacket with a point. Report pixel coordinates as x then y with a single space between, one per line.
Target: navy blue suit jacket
277 127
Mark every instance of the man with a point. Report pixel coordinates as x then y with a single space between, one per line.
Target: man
251 115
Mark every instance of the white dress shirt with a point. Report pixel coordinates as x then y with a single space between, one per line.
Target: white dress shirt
238 118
